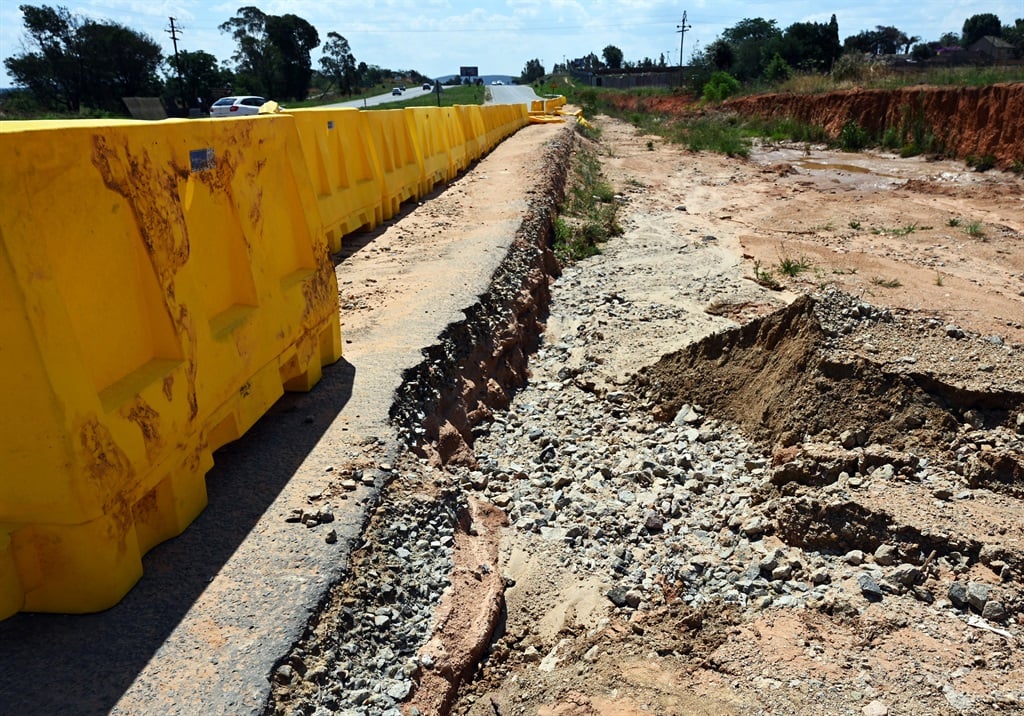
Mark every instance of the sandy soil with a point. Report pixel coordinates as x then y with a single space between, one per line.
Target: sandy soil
935 244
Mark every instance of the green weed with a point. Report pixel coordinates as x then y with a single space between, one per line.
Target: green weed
793 267
765 277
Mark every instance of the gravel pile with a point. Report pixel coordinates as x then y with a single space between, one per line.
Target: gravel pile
361 656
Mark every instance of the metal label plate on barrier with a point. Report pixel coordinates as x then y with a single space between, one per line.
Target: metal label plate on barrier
202 159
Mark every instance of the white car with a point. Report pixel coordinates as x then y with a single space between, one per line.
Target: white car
236 106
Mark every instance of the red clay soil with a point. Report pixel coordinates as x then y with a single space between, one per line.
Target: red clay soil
966 121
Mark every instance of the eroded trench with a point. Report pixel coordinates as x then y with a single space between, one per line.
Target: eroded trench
427 570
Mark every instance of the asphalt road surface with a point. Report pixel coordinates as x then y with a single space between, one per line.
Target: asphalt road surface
497 94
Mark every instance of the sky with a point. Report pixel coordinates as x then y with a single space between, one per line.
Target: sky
437 37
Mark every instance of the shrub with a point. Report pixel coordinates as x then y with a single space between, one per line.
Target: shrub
853 137
778 70
720 86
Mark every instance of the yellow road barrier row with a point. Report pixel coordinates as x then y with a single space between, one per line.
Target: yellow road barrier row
161 284
364 165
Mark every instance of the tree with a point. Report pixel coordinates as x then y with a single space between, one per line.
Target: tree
294 39
74 63
778 70
590 63
1014 34
201 76
750 39
883 40
808 46
949 39
339 64
273 56
978 26
922 52
720 54
534 70
612 57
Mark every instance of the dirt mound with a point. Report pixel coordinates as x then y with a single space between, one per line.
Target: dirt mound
964 120
778 380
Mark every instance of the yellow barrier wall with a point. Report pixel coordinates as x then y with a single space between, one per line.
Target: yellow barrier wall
160 284
341 154
401 172
430 138
471 117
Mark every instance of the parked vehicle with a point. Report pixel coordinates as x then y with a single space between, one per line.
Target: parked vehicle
236 106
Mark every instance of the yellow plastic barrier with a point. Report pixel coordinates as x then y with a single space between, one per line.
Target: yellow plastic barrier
471 118
459 150
160 284
401 172
430 138
342 159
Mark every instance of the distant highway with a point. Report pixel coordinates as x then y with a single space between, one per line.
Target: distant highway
498 94
510 94
409 93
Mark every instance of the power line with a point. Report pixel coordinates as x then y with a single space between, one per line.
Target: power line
681 28
173 32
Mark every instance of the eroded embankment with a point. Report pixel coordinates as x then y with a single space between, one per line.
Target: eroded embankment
776 378
479 361
385 635
964 121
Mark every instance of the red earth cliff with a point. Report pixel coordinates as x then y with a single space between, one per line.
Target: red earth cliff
965 120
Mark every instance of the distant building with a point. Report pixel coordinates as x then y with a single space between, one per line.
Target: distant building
994 49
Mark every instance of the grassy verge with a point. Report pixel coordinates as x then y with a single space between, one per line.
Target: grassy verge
588 215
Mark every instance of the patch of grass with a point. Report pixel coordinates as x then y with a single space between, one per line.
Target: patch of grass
855 225
886 282
844 271
853 137
1017 167
588 215
902 231
650 145
765 278
953 222
721 134
975 229
982 163
793 267
938 278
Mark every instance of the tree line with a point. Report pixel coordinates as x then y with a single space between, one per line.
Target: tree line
757 48
71 64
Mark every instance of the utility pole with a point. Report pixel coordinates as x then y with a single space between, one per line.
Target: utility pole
681 28
173 32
